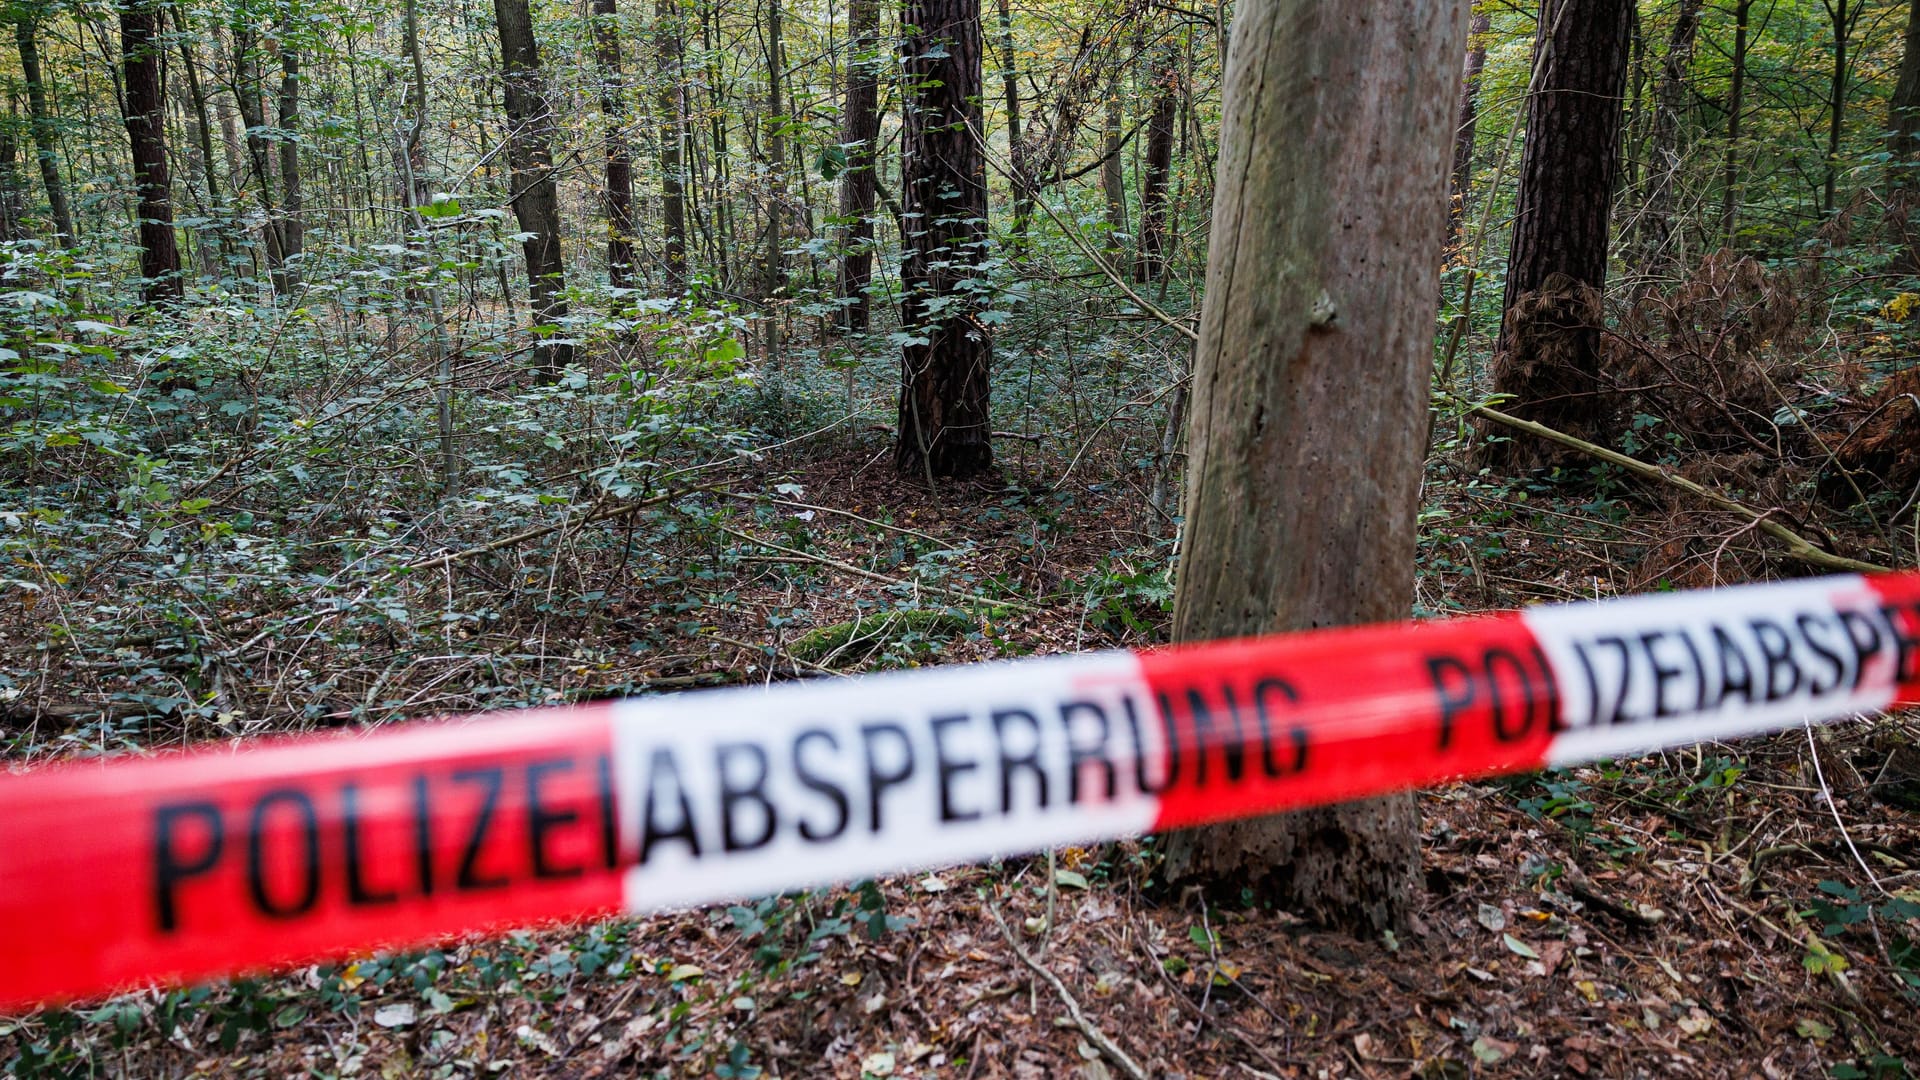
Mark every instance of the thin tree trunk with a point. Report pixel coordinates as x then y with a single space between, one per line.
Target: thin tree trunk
292 201
46 140
1113 179
619 166
1467 128
944 427
247 93
1841 18
1547 357
146 117
1736 105
1309 407
1021 181
12 191
534 193
774 271
1151 262
860 126
1656 232
673 133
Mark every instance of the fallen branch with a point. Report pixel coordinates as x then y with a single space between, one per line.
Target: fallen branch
1094 1035
849 568
605 513
1798 547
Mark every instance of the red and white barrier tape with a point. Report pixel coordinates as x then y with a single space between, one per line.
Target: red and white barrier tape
187 866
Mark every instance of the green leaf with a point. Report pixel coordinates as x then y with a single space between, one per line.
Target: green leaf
1067 879
1518 947
443 206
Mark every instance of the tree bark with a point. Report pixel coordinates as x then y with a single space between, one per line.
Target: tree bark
673 134
1547 357
773 272
533 191
1468 126
46 141
291 225
1310 390
12 191
253 114
1736 105
943 426
619 163
1656 239
1841 16
1021 181
860 126
1113 178
1151 250
146 117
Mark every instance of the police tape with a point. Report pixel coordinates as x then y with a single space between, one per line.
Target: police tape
187 866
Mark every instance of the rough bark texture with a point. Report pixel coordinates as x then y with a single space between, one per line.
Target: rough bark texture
247 94
1903 111
619 163
1310 388
45 139
673 133
1468 126
1151 260
535 195
1659 247
1547 358
146 118
943 424
1113 178
860 126
1021 181
1841 16
12 200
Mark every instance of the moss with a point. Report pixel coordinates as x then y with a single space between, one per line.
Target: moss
855 639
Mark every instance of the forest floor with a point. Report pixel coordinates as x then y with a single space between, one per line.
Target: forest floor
1717 912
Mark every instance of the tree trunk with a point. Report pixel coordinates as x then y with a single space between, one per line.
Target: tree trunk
1468 127
1021 181
673 134
12 193
253 114
1656 239
534 193
1310 390
619 165
1737 104
860 126
1547 357
46 142
1151 262
1841 17
146 116
1113 178
773 272
291 226
943 427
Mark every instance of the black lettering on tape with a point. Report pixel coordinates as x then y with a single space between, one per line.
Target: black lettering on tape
1905 645
1699 671
878 779
1453 682
173 864
1027 762
1081 751
1664 674
490 778
542 820
1806 623
1169 744
307 887
1732 660
1864 635
1500 704
947 766
735 793
812 781
663 771
1777 649
609 818
1615 712
1272 688
423 835
354 854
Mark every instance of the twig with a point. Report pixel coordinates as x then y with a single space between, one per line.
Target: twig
604 513
1798 547
1094 1035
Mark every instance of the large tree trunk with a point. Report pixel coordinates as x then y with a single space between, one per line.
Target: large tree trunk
1468 126
943 426
1547 358
534 193
1903 110
146 116
619 164
673 134
1151 261
860 126
1310 389
45 138
1656 240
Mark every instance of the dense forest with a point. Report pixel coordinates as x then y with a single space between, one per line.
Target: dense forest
365 361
